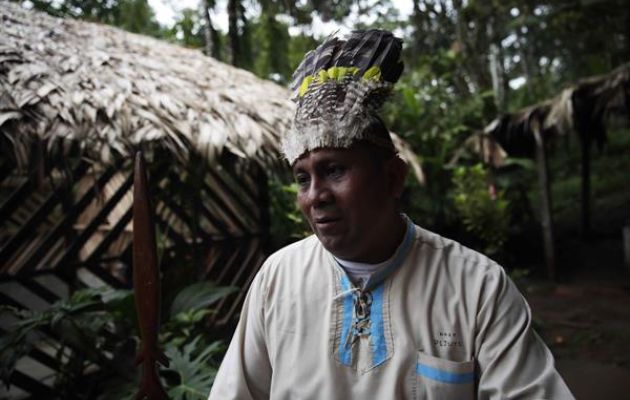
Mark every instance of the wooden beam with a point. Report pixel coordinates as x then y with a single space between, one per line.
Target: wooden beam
177 209
76 245
32 386
265 208
36 218
6 170
545 199
170 233
243 265
110 237
216 222
15 199
224 207
586 184
243 182
40 356
219 258
55 233
236 198
238 300
38 289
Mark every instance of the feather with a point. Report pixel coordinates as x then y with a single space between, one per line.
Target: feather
339 88
314 61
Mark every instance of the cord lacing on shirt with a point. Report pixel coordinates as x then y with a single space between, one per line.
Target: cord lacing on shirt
361 323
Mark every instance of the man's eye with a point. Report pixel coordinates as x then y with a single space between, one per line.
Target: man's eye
335 171
302 180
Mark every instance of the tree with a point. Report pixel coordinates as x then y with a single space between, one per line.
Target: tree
212 43
187 29
137 16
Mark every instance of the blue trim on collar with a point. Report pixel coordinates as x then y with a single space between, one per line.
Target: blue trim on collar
377 329
398 259
345 351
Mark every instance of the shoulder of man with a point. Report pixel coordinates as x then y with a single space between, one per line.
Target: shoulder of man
293 258
453 255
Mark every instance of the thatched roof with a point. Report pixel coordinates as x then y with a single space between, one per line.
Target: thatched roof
580 109
66 81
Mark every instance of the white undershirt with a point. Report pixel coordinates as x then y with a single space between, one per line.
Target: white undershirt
359 273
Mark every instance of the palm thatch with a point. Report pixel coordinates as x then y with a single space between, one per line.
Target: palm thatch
580 109
66 82
69 83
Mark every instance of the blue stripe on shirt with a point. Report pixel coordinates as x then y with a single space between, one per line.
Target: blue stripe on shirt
377 329
345 351
444 376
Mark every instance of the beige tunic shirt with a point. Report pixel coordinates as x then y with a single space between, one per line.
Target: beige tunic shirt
445 323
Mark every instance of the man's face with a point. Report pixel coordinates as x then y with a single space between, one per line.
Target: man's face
348 200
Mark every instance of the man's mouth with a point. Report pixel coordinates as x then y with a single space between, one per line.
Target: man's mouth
325 220
326 224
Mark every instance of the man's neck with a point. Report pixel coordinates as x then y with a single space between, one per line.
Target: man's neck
391 236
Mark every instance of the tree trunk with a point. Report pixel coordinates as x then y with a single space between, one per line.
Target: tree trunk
246 57
235 49
471 53
527 51
496 67
208 48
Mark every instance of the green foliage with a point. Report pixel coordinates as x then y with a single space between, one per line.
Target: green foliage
192 367
187 29
137 16
198 296
287 222
436 120
97 326
86 325
272 52
483 210
189 308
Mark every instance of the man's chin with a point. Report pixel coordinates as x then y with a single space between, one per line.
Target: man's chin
334 244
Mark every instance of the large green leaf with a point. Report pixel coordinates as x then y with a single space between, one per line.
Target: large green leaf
199 295
194 370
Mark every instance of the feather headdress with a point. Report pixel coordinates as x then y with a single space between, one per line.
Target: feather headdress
338 88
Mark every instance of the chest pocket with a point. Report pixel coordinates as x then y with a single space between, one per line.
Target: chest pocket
440 379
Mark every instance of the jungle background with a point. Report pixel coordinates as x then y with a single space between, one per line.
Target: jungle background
466 63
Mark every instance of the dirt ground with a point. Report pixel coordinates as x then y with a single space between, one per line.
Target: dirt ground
585 319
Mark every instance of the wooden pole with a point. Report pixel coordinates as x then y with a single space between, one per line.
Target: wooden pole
545 199
586 184
146 286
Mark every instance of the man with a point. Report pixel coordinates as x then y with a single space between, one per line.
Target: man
373 306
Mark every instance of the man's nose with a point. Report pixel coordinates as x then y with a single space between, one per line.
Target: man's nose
319 193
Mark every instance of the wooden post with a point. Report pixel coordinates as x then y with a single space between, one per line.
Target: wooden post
586 184
545 199
146 286
265 212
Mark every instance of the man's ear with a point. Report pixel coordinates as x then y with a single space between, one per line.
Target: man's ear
397 171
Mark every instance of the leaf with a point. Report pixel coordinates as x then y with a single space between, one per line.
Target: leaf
120 304
196 373
199 295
